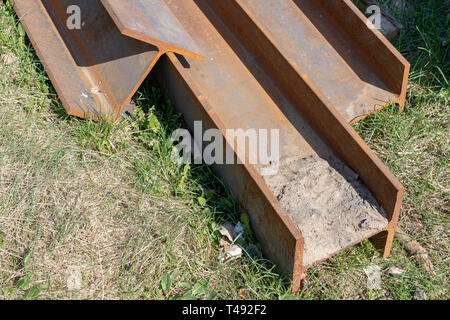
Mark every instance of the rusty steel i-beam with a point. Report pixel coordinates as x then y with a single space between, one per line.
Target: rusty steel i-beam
305 67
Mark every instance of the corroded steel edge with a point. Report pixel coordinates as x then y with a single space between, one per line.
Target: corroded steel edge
122 14
385 57
75 83
382 57
23 14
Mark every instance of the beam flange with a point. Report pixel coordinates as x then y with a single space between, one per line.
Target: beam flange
94 68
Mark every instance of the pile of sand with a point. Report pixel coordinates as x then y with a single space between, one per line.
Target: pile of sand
329 203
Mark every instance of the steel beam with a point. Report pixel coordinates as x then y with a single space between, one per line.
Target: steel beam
245 82
95 69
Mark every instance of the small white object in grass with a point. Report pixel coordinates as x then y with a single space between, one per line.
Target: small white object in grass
394 271
227 230
408 153
420 294
239 229
232 252
74 278
373 277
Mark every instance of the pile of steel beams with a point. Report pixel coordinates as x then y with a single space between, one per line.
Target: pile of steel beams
306 67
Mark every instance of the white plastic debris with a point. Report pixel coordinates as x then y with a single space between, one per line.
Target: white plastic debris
232 252
373 277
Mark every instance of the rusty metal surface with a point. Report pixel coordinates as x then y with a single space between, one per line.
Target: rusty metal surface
296 66
313 40
151 21
245 82
392 67
95 69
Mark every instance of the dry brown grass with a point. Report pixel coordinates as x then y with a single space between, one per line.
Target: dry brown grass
68 209
64 207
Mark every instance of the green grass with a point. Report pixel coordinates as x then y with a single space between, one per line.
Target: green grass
106 198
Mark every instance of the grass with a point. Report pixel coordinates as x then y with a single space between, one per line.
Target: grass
105 199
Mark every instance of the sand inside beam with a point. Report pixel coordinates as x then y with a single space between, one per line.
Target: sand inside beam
328 202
